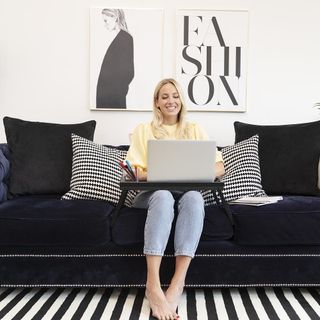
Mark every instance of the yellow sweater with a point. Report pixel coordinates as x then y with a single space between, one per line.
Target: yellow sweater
137 154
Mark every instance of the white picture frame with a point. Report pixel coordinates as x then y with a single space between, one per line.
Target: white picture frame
211 64
143 67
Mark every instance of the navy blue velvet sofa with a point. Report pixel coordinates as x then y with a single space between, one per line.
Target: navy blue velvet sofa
49 242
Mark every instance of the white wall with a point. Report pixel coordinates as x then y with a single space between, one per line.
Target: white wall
44 64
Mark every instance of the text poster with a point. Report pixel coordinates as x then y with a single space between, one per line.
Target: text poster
212 59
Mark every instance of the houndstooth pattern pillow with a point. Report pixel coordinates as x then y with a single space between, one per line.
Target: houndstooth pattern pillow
96 172
242 172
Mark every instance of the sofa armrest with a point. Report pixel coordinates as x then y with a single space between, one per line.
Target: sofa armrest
4 171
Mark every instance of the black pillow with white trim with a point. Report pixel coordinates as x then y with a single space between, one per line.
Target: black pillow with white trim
242 172
96 172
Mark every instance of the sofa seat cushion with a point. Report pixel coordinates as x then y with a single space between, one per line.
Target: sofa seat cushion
129 226
49 221
295 220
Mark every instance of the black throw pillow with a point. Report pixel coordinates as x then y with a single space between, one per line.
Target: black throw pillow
41 155
289 156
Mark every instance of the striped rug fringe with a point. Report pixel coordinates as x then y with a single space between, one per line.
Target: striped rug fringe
130 304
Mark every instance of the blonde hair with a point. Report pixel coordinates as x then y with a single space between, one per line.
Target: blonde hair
157 123
119 15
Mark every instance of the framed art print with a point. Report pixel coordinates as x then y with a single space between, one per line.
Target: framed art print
125 57
212 59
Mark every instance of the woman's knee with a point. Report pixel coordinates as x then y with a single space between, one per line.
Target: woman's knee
192 198
163 197
161 204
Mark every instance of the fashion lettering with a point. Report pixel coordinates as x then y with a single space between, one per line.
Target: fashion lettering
209 62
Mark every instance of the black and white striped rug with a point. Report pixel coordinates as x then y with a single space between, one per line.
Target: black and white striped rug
130 304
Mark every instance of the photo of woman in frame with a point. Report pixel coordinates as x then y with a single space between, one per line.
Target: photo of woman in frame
125 57
117 68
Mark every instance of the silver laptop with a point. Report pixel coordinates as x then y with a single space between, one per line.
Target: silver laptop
181 160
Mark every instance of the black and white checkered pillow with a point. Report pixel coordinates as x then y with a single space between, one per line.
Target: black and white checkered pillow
95 172
242 172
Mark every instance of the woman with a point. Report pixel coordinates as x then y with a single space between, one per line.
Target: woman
117 69
169 122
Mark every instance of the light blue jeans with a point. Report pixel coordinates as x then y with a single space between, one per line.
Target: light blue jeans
189 224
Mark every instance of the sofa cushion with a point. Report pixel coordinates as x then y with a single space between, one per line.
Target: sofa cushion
242 171
4 171
96 172
48 221
129 226
289 156
295 220
41 155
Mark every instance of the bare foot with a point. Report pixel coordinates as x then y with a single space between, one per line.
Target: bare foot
173 295
159 305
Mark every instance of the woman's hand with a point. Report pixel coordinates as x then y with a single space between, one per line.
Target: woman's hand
219 169
142 174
